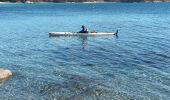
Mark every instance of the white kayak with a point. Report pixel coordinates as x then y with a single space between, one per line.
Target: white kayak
80 34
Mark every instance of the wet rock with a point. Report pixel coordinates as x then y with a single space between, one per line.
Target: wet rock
5 74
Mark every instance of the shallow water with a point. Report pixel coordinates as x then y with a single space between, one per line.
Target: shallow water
134 65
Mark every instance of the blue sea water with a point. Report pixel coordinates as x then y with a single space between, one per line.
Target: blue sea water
133 66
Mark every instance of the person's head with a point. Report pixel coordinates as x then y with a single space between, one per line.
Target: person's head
82 26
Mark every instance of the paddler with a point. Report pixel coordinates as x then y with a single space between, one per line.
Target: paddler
84 29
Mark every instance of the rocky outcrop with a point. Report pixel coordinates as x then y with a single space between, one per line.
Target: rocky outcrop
5 74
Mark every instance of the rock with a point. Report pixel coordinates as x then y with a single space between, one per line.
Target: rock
5 74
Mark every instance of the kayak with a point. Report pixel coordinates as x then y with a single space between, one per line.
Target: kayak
80 34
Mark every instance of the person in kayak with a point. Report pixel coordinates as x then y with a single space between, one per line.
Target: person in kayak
84 29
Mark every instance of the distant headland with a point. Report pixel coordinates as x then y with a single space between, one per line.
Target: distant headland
79 1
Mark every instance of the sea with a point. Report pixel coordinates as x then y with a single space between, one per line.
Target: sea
135 65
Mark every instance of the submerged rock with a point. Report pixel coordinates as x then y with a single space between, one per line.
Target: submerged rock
5 74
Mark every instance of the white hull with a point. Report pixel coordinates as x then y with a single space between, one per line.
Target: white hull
78 34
